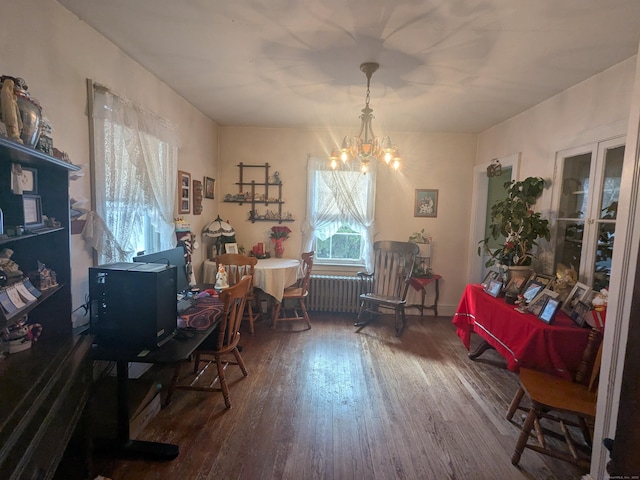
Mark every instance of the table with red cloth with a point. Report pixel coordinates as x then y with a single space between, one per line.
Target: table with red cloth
521 338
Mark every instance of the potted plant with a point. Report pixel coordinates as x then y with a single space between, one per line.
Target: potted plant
514 220
279 233
420 269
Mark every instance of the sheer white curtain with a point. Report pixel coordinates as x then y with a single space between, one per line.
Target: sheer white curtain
135 177
336 198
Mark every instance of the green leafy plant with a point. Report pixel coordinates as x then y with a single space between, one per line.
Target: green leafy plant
418 237
514 220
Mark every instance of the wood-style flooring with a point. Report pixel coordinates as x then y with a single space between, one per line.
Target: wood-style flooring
329 403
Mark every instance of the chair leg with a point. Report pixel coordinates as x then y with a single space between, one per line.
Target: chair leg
223 381
527 426
515 403
251 318
305 314
240 361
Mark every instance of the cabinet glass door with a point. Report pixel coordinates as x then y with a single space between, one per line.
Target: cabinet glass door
587 209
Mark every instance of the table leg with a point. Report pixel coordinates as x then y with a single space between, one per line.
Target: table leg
123 445
480 349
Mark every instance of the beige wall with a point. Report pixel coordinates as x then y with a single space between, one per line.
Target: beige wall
431 161
55 53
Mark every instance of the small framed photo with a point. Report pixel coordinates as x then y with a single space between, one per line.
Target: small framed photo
515 285
494 287
184 192
531 290
537 304
491 275
579 293
32 210
209 187
580 313
231 247
549 309
426 203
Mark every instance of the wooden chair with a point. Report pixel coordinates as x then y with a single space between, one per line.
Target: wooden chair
560 400
222 341
393 267
298 292
237 266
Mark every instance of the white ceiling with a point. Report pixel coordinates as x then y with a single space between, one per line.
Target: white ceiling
445 65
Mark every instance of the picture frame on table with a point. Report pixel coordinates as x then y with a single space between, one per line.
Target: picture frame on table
538 303
549 309
579 293
531 290
491 275
494 287
542 279
580 313
516 284
231 247
426 204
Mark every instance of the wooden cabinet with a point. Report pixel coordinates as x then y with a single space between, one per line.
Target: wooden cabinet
44 388
264 193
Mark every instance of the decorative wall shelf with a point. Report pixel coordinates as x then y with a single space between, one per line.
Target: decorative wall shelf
258 193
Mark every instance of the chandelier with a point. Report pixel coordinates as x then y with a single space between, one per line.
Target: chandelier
366 146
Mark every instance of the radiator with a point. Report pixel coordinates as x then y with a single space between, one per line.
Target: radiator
335 293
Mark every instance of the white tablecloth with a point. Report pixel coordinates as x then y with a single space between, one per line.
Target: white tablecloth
272 275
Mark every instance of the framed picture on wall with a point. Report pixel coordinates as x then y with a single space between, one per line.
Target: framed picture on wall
426 203
184 192
209 187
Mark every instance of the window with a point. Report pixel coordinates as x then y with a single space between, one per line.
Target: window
339 222
135 169
586 205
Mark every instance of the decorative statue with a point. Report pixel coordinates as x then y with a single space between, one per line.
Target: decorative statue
8 266
10 112
221 278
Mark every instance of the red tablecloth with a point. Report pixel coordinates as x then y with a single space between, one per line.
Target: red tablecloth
420 282
521 338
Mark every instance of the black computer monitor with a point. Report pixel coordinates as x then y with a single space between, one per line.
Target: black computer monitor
174 256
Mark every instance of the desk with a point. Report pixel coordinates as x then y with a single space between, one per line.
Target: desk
173 351
272 275
521 338
420 284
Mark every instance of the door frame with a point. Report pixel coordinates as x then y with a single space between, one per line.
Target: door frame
479 211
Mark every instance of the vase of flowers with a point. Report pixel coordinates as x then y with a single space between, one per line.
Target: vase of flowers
279 233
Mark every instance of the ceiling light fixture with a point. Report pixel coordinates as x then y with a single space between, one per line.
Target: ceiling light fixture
366 146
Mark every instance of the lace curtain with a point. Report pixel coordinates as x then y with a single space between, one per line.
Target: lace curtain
336 198
135 177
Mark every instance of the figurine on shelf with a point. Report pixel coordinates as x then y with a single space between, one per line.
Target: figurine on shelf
8 266
221 278
10 112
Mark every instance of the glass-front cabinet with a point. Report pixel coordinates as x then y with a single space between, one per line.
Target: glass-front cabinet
586 194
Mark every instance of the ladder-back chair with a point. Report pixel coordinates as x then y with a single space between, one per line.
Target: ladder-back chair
560 400
393 268
298 292
222 341
237 266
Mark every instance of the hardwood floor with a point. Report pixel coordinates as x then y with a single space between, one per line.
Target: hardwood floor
333 404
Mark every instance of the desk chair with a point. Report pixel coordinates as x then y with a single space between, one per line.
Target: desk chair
559 400
237 266
298 292
224 340
393 268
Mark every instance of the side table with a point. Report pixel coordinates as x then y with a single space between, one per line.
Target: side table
420 284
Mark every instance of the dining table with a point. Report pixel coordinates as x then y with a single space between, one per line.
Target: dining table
271 275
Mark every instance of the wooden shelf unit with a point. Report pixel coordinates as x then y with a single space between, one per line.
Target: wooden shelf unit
45 387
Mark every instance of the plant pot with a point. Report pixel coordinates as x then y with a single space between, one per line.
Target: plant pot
519 271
